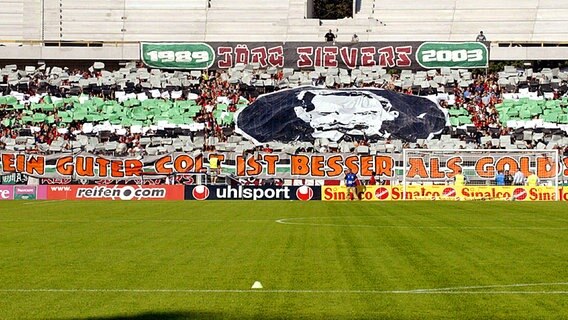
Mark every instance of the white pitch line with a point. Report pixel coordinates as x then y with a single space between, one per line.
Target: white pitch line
448 290
287 222
250 291
517 285
38 202
131 220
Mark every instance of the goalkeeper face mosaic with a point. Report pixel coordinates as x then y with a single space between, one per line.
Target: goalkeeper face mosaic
307 113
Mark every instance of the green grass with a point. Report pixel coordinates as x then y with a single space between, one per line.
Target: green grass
349 258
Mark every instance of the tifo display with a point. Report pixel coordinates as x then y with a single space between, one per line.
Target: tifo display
287 121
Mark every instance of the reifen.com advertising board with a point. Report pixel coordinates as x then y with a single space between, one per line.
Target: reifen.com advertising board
6 193
115 192
213 192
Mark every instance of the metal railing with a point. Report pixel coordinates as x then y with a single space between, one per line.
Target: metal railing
117 43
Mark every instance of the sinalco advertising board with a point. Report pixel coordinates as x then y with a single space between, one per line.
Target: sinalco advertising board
445 192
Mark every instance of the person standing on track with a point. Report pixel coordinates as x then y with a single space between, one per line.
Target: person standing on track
519 178
500 179
351 184
373 180
508 178
214 168
532 180
459 179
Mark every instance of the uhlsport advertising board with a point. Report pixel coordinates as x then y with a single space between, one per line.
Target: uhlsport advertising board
219 192
445 192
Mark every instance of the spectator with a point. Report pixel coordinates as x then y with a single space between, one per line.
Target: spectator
480 37
351 184
214 167
500 179
459 179
532 180
373 180
355 38
330 37
519 178
508 178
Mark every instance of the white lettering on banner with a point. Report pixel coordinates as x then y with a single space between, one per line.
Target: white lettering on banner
454 56
61 188
122 193
180 56
253 193
4 194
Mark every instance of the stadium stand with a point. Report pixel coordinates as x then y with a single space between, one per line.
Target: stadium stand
286 20
524 20
111 30
135 110
125 20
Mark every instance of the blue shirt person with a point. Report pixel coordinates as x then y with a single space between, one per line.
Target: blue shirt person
500 179
351 184
350 179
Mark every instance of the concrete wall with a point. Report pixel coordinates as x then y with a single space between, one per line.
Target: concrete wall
116 21
280 20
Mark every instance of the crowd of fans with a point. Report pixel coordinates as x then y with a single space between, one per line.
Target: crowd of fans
478 98
208 87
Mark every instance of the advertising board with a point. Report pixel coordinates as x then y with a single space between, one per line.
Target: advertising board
6 192
218 192
440 192
115 192
24 192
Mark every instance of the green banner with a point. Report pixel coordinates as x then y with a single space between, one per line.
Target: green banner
411 55
177 55
452 55
14 178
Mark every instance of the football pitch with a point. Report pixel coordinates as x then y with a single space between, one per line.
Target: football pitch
314 260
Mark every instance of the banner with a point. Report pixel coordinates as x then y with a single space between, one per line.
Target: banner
306 113
453 55
308 55
116 192
444 192
330 166
85 166
177 55
221 192
14 178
